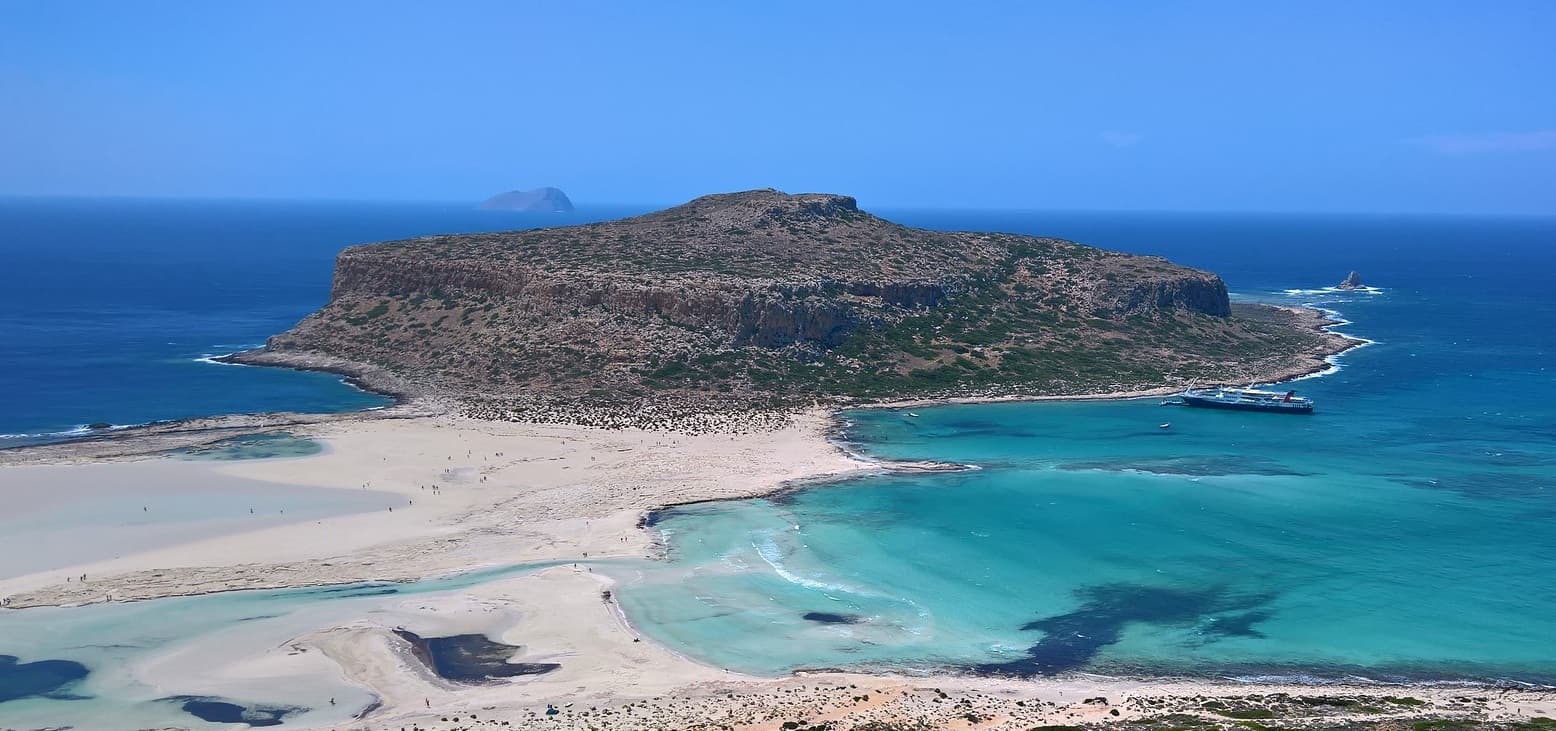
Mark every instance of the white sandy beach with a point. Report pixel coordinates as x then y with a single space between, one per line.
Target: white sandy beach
468 494
465 494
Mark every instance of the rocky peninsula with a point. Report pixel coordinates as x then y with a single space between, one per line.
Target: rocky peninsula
762 301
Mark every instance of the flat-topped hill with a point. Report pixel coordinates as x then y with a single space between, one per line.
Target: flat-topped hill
539 200
761 298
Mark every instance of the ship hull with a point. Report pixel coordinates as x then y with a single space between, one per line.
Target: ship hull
1274 408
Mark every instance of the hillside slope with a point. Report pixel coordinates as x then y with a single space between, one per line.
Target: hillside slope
762 299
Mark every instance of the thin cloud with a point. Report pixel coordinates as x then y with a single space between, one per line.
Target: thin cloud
1121 139
1470 144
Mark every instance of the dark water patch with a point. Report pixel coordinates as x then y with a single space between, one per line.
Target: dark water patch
355 590
41 678
1517 485
1237 625
223 710
1071 640
832 618
994 432
1499 457
785 498
470 658
256 617
1206 466
977 426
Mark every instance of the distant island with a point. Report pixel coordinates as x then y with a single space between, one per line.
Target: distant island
762 300
1352 281
539 200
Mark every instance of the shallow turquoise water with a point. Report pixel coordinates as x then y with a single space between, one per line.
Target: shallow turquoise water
1402 532
123 647
253 446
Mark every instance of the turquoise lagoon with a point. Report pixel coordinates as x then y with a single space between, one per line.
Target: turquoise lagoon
1407 531
134 665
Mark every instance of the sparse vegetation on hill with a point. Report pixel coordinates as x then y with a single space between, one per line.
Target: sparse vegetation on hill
761 299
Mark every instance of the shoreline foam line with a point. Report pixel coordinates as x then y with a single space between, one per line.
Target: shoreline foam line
216 359
1335 366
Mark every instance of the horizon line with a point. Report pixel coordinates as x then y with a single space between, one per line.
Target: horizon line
647 207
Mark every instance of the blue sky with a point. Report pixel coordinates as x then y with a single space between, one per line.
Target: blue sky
1316 106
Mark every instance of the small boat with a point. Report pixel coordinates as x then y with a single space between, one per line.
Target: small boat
1164 425
912 414
1248 399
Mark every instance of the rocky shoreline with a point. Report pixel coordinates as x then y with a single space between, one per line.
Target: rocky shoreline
700 416
359 375
688 416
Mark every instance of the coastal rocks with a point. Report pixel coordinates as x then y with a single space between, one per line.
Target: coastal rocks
1352 281
539 200
278 354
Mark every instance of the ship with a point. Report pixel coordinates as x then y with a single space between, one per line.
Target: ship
1247 399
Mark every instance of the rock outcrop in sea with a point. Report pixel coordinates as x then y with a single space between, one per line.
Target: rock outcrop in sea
1352 281
760 300
539 200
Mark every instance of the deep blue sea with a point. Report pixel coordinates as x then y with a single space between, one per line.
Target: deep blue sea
108 306
1406 531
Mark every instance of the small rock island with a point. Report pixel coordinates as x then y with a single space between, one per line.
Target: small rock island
1352 281
539 200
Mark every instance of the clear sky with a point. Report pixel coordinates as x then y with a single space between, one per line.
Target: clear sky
1299 106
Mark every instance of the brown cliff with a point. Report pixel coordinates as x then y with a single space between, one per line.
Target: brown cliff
763 298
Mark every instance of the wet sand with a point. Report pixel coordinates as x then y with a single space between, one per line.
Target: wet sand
59 518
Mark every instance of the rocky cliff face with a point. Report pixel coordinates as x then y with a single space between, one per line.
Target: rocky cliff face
765 314
764 296
1188 293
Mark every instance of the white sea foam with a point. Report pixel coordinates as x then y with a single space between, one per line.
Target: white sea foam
1339 321
75 431
768 549
1332 290
212 359
1287 679
1335 366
